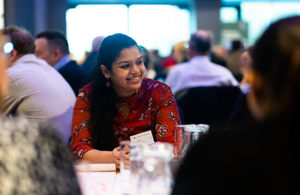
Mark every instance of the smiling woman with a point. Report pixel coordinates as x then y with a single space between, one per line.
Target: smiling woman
119 102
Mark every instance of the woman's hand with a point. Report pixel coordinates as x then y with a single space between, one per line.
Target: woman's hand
116 156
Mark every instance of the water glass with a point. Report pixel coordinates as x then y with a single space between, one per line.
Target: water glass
130 165
156 177
186 137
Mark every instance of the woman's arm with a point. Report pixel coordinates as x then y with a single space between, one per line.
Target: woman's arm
81 142
167 117
97 156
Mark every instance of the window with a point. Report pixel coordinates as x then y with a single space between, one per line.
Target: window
259 15
168 26
85 22
228 15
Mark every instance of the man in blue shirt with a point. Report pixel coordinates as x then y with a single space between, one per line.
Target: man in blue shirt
52 46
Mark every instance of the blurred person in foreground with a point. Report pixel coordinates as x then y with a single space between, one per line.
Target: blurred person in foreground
199 71
119 103
37 91
91 60
262 159
33 159
53 47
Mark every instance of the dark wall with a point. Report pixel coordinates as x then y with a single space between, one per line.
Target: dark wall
36 15
20 13
208 16
57 14
39 15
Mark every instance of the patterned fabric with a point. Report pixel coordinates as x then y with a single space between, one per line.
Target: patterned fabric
152 108
33 160
38 92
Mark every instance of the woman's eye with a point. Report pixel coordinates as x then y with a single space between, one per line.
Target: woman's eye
126 66
140 62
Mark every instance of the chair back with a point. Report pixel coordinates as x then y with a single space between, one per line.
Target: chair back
208 105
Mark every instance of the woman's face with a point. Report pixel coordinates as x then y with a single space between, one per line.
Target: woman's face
127 72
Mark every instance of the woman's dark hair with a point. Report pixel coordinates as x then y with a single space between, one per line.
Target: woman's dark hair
276 57
103 99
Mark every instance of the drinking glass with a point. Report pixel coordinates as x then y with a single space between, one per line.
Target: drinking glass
186 136
156 177
130 165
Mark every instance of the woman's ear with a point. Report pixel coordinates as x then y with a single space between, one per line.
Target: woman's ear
104 71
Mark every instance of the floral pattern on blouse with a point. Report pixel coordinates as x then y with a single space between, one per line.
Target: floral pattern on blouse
153 108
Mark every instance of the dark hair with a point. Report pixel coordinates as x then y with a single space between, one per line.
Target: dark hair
236 45
103 99
276 57
56 38
201 44
22 40
146 57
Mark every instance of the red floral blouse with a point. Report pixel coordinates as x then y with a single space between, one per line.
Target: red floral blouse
152 108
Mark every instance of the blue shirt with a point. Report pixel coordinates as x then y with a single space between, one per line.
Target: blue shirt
62 62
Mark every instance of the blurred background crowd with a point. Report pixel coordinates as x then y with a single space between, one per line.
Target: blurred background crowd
234 25
202 49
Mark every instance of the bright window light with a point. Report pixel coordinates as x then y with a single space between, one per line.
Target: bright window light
259 15
85 22
228 15
282 10
159 26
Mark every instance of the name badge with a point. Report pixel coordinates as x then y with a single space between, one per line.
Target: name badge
142 138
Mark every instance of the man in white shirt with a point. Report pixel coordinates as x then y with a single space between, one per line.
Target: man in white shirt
199 71
37 91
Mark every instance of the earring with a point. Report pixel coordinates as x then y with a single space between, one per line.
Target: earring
107 84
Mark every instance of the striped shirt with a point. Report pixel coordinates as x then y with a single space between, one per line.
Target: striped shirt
38 92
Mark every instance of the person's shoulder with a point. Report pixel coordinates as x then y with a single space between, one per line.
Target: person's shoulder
178 68
150 84
73 68
220 67
85 90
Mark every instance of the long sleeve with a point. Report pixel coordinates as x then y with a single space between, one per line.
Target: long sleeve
81 140
12 99
167 118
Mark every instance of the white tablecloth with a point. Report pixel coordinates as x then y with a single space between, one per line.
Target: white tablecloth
99 183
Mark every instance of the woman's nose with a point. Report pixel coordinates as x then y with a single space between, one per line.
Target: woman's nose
135 69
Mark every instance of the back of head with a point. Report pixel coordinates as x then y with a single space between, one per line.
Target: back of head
201 42
236 45
97 43
56 39
276 58
22 40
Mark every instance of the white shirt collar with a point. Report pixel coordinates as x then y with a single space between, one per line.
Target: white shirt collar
199 58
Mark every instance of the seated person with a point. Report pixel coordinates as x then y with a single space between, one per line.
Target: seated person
36 90
262 158
118 103
199 71
33 159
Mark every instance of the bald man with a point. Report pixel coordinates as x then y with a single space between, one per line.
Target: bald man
91 61
199 71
